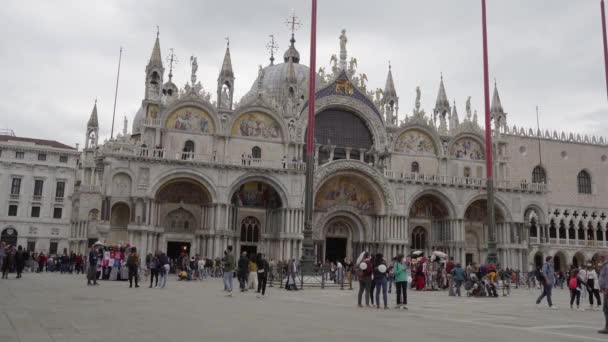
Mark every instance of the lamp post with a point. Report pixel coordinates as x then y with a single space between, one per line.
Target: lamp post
306 264
492 255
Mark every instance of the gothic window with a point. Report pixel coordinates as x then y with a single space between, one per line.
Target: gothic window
552 231
581 232
571 231
533 228
584 182
189 146
590 232
415 167
180 219
250 229
419 238
600 232
154 78
243 232
539 175
562 230
256 152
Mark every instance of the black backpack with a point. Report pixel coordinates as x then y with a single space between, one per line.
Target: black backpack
539 275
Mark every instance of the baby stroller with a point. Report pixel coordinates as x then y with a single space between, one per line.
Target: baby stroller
475 287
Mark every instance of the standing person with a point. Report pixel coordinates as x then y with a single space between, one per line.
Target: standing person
380 279
164 269
201 269
575 284
505 276
20 258
41 262
252 267
365 278
593 287
400 274
92 271
2 254
603 282
262 273
228 270
154 267
133 265
243 271
458 276
548 278
292 272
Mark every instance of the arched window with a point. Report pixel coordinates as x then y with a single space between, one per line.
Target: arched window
533 228
552 231
584 182
154 78
415 167
243 232
581 231
562 230
250 229
419 238
466 172
189 146
539 175
571 231
256 152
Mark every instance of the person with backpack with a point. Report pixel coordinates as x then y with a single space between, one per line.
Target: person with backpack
546 278
365 278
575 284
458 275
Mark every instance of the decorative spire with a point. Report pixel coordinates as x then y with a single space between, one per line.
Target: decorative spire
93 122
442 104
272 47
496 107
454 119
389 88
155 58
227 64
172 59
124 127
292 54
343 54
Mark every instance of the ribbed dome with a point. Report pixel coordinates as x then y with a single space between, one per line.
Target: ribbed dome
275 81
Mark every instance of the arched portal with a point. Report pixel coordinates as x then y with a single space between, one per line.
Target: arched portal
476 219
9 236
182 203
339 235
250 235
578 260
560 262
538 260
427 214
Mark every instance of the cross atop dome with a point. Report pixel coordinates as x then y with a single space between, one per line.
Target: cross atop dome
292 55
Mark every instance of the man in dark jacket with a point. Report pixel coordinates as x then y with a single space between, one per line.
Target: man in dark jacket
92 271
133 265
365 278
243 271
20 258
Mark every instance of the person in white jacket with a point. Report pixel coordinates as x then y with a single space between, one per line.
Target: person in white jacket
593 287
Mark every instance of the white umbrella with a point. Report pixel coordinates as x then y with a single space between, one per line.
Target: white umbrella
360 258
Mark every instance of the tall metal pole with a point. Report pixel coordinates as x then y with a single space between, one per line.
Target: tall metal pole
605 43
308 245
492 255
116 93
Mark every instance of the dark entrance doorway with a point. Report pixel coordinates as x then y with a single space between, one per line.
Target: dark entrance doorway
251 250
335 249
176 248
468 258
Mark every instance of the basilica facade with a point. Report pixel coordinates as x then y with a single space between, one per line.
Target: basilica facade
197 175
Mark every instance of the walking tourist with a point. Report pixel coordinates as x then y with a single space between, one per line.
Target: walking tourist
546 277
2 254
380 279
593 287
603 282
458 276
292 271
228 270
163 270
92 271
243 271
364 267
154 267
253 273
400 274
133 266
262 274
20 259
575 284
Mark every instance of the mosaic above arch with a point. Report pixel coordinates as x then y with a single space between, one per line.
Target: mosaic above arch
345 191
190 119
415 141
467 148
256 125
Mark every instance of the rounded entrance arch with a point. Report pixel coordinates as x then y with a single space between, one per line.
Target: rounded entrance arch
538 260
120 215
9 236
560 261
578 260
349 189
340 233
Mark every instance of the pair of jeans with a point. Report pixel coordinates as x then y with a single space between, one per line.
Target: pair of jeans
133 275
546 293
381 285
242 280
458 285
228 281
401 287
164 273
575 293
153 275
365 285
262 278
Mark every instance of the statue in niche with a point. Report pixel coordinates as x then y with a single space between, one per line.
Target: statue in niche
418 95
225 98
194 65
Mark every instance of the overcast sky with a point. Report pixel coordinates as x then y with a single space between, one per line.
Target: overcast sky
58 56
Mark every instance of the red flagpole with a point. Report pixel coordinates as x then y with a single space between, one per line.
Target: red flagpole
605 43
311 83
492 256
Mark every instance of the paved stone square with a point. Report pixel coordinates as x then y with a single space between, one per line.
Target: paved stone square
54 307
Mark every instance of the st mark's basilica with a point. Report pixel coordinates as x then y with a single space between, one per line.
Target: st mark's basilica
202 171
